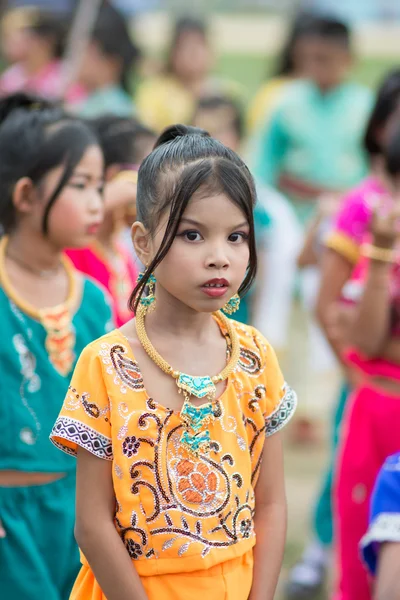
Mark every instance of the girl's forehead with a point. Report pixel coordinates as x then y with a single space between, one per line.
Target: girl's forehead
212 206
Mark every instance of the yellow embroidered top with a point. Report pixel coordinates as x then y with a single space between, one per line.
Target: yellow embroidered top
171 504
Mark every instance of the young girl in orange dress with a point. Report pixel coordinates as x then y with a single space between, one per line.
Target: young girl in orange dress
175 417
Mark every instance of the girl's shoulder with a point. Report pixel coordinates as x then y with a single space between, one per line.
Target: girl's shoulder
257 356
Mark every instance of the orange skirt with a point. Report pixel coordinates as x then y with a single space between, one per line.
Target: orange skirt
230 580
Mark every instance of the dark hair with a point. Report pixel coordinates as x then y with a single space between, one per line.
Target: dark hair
220 102
182 26
50 27
392 153
184 160
387 100
310 24
285 61
111 34
35 137
119 138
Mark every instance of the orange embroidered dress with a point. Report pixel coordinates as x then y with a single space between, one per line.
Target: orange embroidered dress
186 522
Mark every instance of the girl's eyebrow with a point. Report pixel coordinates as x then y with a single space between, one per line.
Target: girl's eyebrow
197 224
81 174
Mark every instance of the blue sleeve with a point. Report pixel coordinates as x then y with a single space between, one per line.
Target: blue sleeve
385 513
270 149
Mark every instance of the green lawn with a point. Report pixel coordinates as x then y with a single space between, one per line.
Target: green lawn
251 70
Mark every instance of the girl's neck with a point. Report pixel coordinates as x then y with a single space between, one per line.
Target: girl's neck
34 250
178 320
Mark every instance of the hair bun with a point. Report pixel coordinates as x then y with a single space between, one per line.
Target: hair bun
176 131
22 101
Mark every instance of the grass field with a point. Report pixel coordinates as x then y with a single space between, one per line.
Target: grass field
251 70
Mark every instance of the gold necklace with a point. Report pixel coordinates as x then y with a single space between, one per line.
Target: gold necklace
42 273
57 320
195 439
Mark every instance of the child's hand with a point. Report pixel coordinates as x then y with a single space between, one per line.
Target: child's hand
328 204
385 223
2 531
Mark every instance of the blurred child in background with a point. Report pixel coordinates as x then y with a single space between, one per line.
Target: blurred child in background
312 142
51 180
34 42
277 232
343 246
171 97
125 143
107 67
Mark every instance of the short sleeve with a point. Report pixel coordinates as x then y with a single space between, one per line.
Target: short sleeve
280 401
385 513
350 226
84 419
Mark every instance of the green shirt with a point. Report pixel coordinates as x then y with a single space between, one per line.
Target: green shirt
31 389
315 137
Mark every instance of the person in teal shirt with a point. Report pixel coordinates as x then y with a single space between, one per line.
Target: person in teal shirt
312 143
51 178
107 67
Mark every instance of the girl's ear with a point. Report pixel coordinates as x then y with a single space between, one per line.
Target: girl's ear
24 196
141 242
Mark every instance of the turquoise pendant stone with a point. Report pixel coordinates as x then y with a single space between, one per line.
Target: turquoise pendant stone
196 386
196 416
196 443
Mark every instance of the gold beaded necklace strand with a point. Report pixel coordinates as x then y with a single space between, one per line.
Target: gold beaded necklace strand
56 320
194 438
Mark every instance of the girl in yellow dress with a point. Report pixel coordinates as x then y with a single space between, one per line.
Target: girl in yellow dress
175 417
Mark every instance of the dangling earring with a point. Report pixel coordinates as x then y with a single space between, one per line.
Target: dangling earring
148 302
232 305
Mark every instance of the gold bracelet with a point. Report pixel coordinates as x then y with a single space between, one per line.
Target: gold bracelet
386 255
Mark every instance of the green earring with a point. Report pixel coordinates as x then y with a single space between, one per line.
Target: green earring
232 305
148 302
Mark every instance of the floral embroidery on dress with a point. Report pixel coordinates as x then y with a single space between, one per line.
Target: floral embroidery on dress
172 503
74 400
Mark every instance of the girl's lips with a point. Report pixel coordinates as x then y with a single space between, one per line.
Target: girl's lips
215 292
93 229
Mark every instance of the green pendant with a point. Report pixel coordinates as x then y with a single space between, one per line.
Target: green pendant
197 416
197 386
196 443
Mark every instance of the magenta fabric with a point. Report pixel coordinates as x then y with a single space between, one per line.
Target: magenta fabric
48 83
355 212
92 263
371 433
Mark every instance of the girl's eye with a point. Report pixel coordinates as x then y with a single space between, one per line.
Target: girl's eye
191 236
78 185
238 237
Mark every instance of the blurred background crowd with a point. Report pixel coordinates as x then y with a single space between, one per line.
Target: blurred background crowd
309 94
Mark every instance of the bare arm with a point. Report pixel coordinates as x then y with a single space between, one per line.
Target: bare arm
270 521
96 534
308 256
371 326
388 582
391 351
335 272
